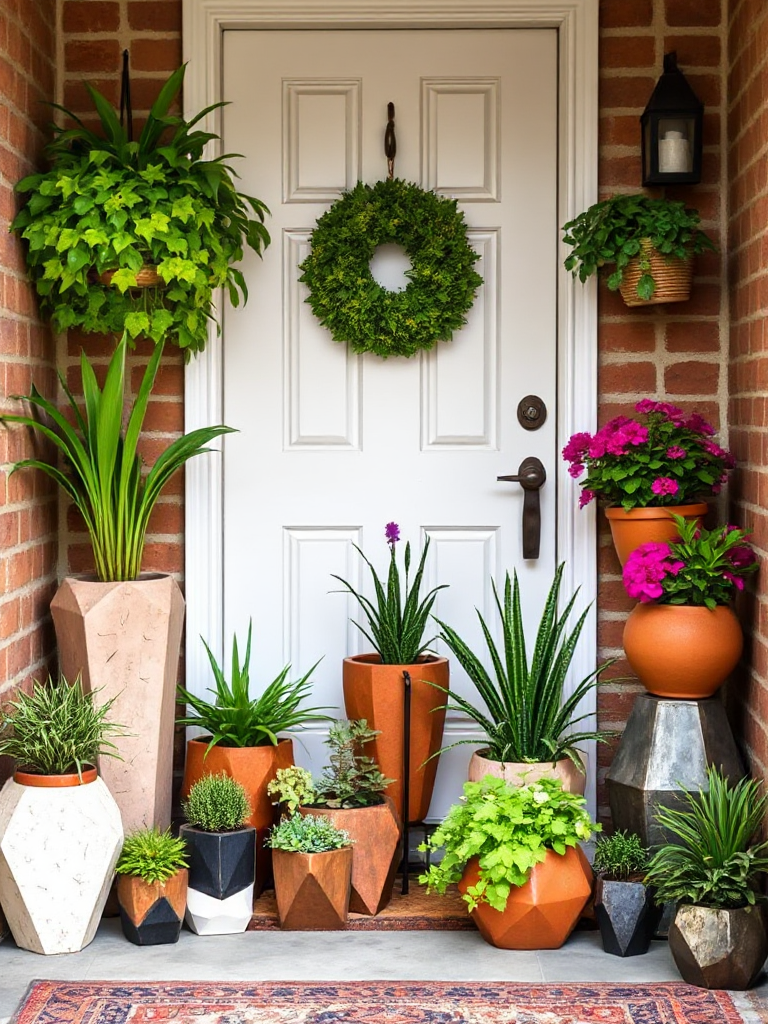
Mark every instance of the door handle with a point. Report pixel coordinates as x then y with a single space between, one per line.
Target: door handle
531 476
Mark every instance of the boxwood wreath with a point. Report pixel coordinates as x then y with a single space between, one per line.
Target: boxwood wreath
354 307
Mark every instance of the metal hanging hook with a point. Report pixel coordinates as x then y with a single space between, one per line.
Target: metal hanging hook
390 142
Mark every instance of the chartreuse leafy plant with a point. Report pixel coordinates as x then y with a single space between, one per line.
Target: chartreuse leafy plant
102 471
510 829
109 204
719 857
217 803
57 729
234 719
292 787
525 715
152 855
308 833
620 856
613 231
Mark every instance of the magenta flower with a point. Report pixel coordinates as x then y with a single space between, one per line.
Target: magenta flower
742 557
635 433
737 581
392 533
576 469
577 446
646 569
665 485
586 496
676 452
699 425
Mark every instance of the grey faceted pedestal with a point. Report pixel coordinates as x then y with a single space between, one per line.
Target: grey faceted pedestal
667 746
626 915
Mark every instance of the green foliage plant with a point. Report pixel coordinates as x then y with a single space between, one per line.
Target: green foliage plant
345 297
293 787
510 829
397 620
234 719
719 857
152 855
526 716
620 857
110 204
217 803
57 729
102 471
618 229
308 833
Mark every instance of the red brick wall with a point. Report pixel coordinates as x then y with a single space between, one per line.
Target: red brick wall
748 371
28 520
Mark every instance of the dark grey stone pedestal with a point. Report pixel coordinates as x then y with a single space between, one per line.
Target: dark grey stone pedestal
667 746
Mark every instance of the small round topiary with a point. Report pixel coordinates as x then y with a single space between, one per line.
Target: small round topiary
217 803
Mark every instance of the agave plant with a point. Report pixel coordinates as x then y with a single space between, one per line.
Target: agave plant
102 469
526 717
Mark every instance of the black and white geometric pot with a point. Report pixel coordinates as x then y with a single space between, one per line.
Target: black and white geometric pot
221 874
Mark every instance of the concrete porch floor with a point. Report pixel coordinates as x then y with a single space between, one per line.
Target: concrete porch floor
328 956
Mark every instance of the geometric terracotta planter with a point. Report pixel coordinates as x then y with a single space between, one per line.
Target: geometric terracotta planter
375 832
542 913
254 768
523 774
312 889
653 523
124 639
375 692
221 872
719 948
151 913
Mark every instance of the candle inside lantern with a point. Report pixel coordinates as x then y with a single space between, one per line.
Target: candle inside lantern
674 153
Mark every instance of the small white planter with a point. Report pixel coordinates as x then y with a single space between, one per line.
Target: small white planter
58 850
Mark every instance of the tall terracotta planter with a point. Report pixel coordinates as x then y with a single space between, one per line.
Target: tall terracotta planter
124 639
521 773
542 913
312 889
642 525
682 650
254 768
375 692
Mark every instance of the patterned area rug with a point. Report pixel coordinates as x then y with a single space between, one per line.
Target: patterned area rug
59 1002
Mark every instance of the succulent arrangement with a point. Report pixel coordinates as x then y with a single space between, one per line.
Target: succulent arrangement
307 833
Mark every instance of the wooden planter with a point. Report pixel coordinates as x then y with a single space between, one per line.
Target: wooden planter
376 835
523 773
312 889
673 278
719 948
643 525
375 692
151 913
221 876
124 639
542 913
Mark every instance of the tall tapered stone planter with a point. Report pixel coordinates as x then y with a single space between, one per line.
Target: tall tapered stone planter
124 639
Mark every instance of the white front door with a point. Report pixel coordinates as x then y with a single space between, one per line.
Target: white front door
332 446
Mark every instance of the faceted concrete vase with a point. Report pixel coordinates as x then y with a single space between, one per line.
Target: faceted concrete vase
626 915
667 744
58 850
125 638
221 871
312 889
719 948
151 913
518 773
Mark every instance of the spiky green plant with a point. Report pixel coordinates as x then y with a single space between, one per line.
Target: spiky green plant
57 728
217 803
233 719
527 716
351 778
719 857
152 855
619 856
308 833
102 469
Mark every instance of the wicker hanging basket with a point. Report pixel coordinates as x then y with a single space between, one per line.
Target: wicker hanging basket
146 277
672 275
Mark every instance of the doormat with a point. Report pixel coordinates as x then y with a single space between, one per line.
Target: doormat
101 1002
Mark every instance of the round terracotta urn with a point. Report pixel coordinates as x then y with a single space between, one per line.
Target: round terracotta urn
521 773
375 692
682 651
642 525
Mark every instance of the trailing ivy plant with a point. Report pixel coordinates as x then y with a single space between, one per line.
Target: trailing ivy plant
109 204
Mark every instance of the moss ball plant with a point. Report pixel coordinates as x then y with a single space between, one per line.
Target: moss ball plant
217 803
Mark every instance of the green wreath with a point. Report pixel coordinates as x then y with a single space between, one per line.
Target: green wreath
347 300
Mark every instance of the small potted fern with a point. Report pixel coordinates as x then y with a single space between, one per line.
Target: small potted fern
624 905
152 886
222 856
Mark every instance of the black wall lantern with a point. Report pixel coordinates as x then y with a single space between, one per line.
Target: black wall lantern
671 130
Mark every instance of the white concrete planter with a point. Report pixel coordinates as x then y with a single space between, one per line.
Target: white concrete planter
524 773
58 850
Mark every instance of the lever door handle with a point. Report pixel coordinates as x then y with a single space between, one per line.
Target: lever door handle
531 476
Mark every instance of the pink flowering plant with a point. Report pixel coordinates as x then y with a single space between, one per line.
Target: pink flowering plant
663 458
705 567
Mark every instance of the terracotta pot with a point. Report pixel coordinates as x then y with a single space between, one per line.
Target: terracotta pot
151 912
254 768
521 773
719 948
312 889
375 692
55 781
376 834
673 277
642 525
542 913
124 639
682 650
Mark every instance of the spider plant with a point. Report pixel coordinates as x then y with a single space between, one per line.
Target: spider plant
526 717
718 859
233 719
102 469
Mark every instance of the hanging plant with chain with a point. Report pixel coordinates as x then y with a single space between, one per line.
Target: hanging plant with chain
354 307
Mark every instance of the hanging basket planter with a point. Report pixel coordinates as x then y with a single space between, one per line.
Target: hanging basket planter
146 277
672 277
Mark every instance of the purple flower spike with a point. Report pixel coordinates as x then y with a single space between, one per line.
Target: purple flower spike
392 531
